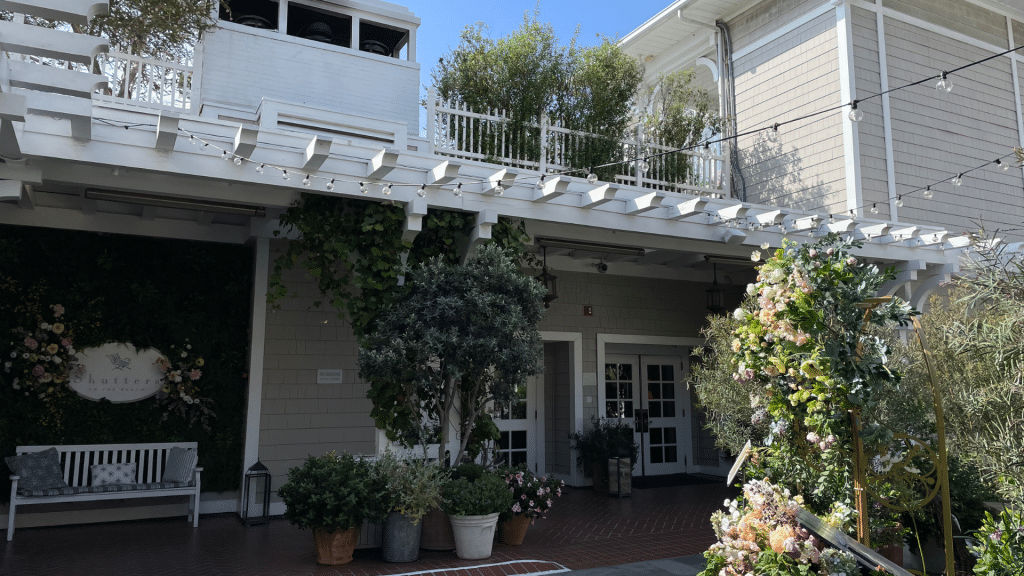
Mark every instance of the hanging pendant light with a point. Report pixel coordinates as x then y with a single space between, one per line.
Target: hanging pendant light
716 296
548 280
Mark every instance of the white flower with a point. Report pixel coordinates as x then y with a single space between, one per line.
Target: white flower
755 256
24 355
56 360
189 346
14 354
739 314
765 245
44 326
751 289
184 354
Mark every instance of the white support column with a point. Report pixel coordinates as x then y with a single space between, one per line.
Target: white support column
254 393
848 92
883 76
412 45
355 32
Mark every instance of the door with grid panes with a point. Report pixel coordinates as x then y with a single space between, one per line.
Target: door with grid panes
517 427
652 383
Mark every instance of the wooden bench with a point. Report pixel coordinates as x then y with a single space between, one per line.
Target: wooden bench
76 461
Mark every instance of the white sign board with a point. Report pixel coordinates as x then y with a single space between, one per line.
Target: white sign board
328 377
117 372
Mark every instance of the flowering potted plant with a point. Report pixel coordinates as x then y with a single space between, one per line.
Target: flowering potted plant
42 357
333 495
474 507
532 497
413 487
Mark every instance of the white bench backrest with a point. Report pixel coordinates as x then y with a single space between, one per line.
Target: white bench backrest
76 460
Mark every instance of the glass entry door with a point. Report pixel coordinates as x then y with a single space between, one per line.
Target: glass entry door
651 383
517 427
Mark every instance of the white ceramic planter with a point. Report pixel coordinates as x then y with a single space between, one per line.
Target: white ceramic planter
474 535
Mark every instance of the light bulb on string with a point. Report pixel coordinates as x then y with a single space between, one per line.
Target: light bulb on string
284 174
927 194
853 215
458 190
856 114
330 185
499 189
306 182
540 183
422 191
386 190
237 160
705 152
224 155
260 168
957 180
191 139
645 165
899 201
591 177
1004 166
831 219
773 133
944 84
362 188
874 208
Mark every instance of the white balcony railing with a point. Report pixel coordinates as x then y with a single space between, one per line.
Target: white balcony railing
548 147
143 82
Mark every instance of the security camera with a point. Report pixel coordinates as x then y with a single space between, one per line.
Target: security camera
602 267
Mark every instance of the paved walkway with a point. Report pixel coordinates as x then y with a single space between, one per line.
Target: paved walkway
585 530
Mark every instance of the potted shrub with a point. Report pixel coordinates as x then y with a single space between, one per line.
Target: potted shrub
333 495
413 488
532 497
474 507
437 527
606 438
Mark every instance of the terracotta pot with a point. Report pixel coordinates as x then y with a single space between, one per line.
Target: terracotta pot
513 531
437 531
334 548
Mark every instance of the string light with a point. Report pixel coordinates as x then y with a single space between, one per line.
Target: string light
853 215
944 84
856 114
591 177
645 165
958 179
773 133
705 152
831 219
899 201
874 208
499 189
330 185
422 191
458 190
540 183
927 194
224 155
306 182
191 139
386 190
284 174
237 160
1004 166
260 168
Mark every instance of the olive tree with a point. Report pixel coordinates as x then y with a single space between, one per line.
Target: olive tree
455 338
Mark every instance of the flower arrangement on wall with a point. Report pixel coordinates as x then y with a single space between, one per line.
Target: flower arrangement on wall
180 392
42 357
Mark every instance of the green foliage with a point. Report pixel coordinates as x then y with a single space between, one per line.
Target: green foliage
485 495
162 29
413 486
604 439
999 545
333 493
154 293
469 470
530 74
532 495
455 332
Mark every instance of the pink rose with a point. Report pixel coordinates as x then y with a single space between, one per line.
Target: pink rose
195 374
851 261
58 310
38 371
31 343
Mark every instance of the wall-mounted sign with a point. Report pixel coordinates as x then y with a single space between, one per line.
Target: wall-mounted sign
117 372
328 376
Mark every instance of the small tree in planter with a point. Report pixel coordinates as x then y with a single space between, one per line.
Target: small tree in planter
456 336
606 438
333 495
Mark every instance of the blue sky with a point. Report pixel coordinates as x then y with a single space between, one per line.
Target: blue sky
442 22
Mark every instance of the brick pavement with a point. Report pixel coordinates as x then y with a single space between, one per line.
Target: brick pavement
584 530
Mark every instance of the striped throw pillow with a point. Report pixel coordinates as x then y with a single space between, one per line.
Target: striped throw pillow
180 465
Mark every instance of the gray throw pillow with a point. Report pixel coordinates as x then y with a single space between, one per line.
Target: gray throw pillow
180 465
123 473
38 470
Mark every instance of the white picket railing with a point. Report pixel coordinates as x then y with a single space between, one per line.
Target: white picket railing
143 82
454 130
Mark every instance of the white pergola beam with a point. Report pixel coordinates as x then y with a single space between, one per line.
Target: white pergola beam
734 212
382 164
505 177
687 209
77 110
644 203
415 210
79 12
317 152
50 43
801 223
443 173
841 226
874 230
485 221
10 190
733 237
55 80
598 196
9 139
13 107
166 131
245 141
27 174
550 189
771 218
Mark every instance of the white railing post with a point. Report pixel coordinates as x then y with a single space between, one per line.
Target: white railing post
542 165
431 117
639 155
726 169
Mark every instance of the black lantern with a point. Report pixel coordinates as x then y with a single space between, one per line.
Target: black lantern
716 296
257 487
548 280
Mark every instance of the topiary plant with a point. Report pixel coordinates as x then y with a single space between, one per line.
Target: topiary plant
486 495
332 492
606 438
